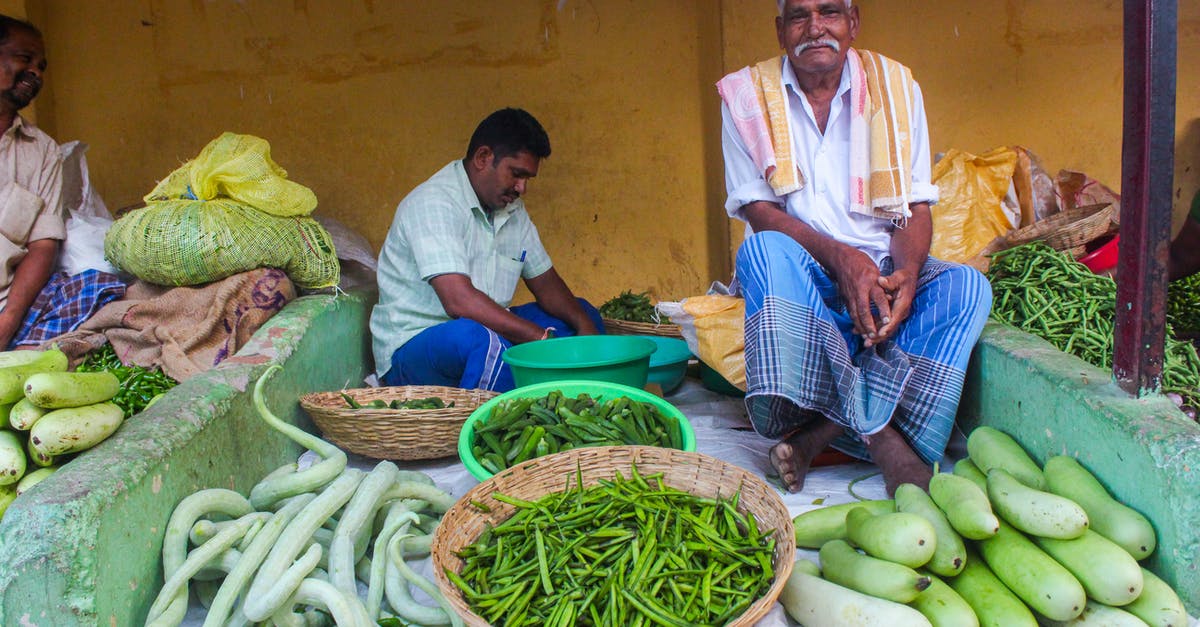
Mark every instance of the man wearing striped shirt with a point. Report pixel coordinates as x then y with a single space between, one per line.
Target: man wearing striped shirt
449 267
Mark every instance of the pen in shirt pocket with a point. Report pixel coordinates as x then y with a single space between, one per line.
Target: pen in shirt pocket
520 259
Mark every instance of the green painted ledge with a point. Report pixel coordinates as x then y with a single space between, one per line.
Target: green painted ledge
1144 450
86 549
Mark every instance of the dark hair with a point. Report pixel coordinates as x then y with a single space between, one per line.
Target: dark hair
509 131
8 24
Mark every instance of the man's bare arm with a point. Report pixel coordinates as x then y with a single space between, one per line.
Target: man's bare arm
461 299
910 249
556 299
30 277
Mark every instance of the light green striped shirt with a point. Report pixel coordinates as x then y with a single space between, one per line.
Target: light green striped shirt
441 228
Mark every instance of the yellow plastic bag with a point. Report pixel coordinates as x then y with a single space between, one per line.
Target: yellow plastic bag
240 168
713 326
229 210
969 213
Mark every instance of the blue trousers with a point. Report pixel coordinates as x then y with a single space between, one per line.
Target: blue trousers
465 354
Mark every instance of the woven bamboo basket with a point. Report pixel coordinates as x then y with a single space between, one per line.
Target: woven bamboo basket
1069 229
698 474
626 327
401 434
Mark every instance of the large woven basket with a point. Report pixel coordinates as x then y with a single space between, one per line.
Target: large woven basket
626 327
1069 229
692 472
401 434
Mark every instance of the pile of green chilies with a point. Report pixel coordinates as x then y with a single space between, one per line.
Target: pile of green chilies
626 552
1047 293
520 429
139 385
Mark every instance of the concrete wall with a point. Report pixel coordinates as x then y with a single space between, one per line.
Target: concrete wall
362 100
85 548
1144 451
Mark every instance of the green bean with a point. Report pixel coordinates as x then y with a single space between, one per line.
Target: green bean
579 555
1047 293
521 429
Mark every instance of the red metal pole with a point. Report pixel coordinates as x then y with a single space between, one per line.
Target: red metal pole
1147 177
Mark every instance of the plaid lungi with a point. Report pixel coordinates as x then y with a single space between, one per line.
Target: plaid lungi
804 361
66 302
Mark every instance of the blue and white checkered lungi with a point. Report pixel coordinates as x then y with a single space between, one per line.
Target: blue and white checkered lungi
803 360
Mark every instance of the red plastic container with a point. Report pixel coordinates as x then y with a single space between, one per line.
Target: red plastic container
1103 258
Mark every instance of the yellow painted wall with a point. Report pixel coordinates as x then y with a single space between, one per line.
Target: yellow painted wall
361 100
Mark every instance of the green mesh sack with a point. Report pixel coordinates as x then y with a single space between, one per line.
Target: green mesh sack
188 242
238 167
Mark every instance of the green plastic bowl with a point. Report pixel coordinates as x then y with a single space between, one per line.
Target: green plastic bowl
600 390
623 359
668 364
714 382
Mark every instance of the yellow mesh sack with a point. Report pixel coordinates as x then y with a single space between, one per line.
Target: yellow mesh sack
188 242
229 210
238 167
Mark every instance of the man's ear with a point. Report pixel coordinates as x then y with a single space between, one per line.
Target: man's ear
482 158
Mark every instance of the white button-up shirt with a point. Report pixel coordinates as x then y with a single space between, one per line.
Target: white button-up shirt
824 202
441 228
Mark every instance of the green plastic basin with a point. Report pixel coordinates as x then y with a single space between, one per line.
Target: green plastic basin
623 359
600 390
668 364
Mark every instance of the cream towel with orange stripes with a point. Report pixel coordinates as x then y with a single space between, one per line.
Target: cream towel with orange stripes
881 92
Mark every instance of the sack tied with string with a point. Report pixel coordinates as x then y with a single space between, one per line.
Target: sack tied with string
229 210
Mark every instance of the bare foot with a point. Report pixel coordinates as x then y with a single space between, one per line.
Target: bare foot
793 455
897 460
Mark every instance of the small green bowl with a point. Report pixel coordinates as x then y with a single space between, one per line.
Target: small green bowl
714 382
600 390
668 364
623 359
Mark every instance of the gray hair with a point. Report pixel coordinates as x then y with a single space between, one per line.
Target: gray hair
781 3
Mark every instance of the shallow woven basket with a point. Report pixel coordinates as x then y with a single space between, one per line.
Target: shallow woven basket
402 434
625 327
1069 229
692 472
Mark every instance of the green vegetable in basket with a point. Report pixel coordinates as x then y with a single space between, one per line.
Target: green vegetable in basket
432 402
520 429
627 551
631 308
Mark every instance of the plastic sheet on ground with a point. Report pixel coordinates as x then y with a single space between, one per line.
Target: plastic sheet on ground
722 431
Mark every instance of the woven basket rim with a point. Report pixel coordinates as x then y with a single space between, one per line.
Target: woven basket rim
405 434
1068 229
684 470
626 327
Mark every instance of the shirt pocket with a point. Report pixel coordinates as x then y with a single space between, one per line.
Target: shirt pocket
19 209
508 272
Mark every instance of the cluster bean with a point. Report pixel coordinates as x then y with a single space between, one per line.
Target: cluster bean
622 552
1183 305
520 429
1047 293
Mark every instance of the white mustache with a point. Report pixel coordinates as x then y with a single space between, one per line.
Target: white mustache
832 43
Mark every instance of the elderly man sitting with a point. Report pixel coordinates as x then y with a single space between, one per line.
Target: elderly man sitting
854 336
